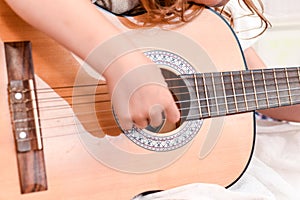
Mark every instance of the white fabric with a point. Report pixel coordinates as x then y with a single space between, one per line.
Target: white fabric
246 25
274 172
117 6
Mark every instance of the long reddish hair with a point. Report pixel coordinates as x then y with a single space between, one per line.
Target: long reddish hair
167 12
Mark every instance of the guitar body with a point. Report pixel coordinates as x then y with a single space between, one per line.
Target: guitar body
74 171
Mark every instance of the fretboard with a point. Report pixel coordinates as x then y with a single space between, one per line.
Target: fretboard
225 93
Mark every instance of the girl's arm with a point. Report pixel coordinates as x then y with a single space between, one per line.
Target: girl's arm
80 27
288 113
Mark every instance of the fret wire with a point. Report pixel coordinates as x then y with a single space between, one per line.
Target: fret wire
197 94
276 85
292 89
298 70
195 116
256 86
266 89
244 90
215 93
254 89
288 84
260 71
238 95
171 79
266 79
247 109
224 92
234 109
233 89
175 79
256 92
267 98
253 108
206 93
192 117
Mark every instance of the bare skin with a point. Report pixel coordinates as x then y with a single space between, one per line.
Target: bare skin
46 16
288 113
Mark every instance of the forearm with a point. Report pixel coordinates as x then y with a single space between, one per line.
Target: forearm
288 113
72 23
80 27
83 29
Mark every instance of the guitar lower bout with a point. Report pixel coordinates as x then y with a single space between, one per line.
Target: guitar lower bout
82 163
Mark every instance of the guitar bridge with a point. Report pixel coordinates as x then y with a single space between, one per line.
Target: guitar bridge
25 118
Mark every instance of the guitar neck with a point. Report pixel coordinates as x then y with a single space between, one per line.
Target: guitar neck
224 93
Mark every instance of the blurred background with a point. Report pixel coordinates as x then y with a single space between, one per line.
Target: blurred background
280 45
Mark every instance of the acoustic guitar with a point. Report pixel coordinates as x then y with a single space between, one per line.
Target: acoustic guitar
60 138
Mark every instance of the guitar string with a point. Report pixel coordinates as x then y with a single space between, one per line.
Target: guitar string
103 128
195 115
181 109
110 127
176 87
218 75
230 75
211 105
213 98
183 93
216 98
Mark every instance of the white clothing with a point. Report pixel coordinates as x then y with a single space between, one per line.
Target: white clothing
274 172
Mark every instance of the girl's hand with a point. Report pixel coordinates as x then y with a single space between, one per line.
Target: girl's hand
140 95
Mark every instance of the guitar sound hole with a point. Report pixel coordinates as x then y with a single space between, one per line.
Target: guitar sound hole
181 96
175 135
